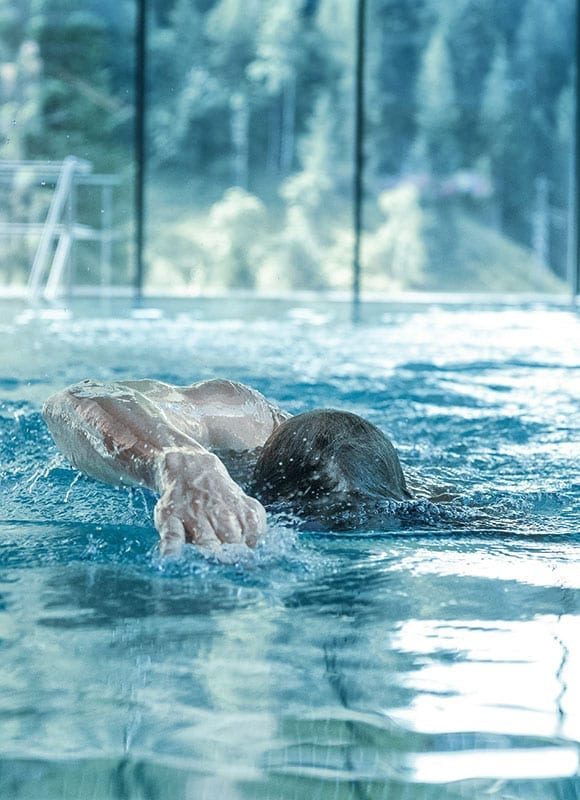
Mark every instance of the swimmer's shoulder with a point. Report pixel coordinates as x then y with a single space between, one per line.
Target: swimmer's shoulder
91 388
218 392
210 398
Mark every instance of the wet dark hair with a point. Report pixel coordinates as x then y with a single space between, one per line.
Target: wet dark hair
327 459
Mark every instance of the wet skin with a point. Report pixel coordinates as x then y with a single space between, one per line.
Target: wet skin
165 437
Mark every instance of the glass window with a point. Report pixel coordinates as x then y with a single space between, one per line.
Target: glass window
249 159
250 137
66 87
470 108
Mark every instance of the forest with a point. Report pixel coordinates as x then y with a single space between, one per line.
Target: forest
250 115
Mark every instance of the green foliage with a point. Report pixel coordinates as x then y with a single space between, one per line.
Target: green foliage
258 94
295 258
77 111
395 253
437 115
485 261
278 47
20 117
188 105
472 38
397 36
496 105
232 28
498 126
13 18
312 187
234 239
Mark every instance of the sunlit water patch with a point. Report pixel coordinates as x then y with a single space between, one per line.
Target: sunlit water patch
436 656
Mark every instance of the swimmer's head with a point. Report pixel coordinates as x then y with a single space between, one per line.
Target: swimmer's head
328 455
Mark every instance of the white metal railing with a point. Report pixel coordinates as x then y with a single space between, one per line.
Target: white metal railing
43 168
55 212
60 230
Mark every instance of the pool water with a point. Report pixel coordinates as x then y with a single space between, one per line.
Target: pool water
437 656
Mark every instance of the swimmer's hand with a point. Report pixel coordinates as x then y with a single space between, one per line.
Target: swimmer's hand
201 504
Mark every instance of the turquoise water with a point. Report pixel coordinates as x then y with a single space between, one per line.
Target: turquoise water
435 657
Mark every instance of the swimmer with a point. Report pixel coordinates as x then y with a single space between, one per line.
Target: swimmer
187 444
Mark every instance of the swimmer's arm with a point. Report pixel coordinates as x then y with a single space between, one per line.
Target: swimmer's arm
223 414
113 433
116 434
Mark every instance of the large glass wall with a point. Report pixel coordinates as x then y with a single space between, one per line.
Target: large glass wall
66 89
470 111
250 144
249 130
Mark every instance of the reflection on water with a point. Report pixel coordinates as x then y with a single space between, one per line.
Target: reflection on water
437 658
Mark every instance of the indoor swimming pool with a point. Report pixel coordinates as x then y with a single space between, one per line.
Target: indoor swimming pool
437 656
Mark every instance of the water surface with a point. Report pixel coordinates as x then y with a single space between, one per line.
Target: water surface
436 657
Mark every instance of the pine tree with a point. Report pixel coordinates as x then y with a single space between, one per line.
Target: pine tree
232 27
396 36
544 50
13 17
563 177
20 81
75 88
183 95
275 68
472 37
495 130
437 106
292 61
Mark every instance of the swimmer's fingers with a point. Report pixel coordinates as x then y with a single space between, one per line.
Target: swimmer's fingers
226 516
172 533
227 527
253 521
171 528
198 531
231 517
241 521
175 533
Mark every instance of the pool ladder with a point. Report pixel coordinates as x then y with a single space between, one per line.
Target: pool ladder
60 230
54 229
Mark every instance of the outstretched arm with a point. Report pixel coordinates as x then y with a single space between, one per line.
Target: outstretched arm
116 433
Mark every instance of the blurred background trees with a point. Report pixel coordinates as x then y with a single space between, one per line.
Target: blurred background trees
250 118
